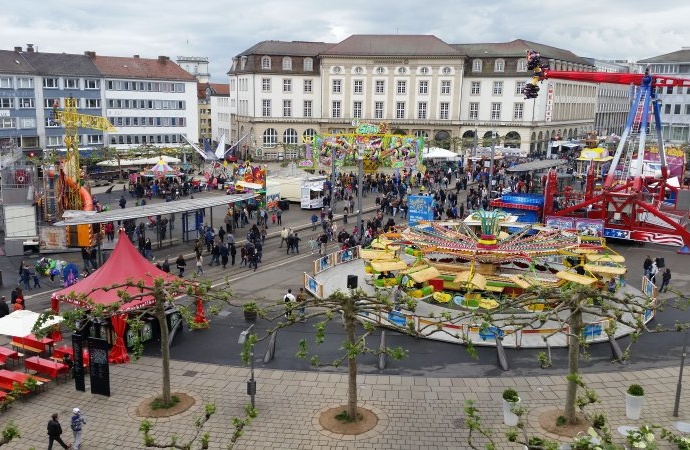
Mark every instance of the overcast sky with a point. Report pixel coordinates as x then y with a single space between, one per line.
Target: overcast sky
220 29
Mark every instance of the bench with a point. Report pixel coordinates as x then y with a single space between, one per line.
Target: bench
28 348
5 384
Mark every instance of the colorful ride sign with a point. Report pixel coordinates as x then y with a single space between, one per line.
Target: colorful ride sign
420 208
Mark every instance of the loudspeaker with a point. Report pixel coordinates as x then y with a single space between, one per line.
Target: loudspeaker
352 281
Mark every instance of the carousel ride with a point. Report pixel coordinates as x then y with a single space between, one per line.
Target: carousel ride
487 259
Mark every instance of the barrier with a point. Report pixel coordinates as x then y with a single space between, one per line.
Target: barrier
312 286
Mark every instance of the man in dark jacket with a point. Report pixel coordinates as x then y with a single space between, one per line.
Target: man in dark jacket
54 432
4 307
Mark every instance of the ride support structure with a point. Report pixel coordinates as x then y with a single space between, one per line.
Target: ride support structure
633 203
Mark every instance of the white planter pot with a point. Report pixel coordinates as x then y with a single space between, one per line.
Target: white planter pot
510 418
633 406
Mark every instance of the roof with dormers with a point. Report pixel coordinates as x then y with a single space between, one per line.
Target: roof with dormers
392 45
680 56
517 48
161 68
61 64
219 89
287 48
14 62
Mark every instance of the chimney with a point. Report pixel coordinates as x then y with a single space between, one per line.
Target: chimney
136 56
18 49
163 59
90 54
29 48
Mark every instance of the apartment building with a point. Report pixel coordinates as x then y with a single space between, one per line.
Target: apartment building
675 101
419 84
150 101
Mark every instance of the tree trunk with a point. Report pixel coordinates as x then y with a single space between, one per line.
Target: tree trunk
166 396
349 320
575 324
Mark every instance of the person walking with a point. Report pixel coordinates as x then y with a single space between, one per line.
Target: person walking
54 432
653 271
289 300
199 265
224 253
181 264
233 253
283 236
301 301
665 279
77 422
295 242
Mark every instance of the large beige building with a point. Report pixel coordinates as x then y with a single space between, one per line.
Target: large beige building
449 93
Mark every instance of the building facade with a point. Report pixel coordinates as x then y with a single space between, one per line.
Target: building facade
453 94
149 101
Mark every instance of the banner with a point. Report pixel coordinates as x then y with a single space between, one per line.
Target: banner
420 207
590 227
99 370
561 223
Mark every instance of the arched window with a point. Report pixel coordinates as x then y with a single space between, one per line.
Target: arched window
421 133
287 63
424 71
380 70
442 136
522 65
290 136
270 137
308 135
477 65
499 65
266 62
308 64
359 70
512 139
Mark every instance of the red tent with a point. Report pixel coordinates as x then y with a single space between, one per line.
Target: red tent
125 263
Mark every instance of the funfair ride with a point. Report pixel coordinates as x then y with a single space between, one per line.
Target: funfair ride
633 204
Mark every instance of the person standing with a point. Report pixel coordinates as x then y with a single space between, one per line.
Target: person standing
123 201
166 266
295 242
77 422
4 307
233 253
665 279
279 216
653 271
646 266
54 432
199 265
289 300
181 264
283 236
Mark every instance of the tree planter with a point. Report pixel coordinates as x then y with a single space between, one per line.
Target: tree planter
250 316
509 417
633 406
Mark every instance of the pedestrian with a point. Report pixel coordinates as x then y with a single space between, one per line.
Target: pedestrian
26 278
224 253
54 432
295 242
148 249
313 245
243 256
289 300
199 265
665 279
314 221
233 253
345 214
283 236
181 264
290 242
653 271
279 215
4 307
123 201
302 302
77 422
166 266
37 282
215 254
646 266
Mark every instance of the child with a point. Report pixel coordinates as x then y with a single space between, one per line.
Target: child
274 218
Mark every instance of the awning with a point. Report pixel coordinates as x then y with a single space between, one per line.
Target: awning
535 166
376 254
619 259
609 270
386 266
575 278
425 274
468 278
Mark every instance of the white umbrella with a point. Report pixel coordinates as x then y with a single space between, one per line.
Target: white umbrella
21 323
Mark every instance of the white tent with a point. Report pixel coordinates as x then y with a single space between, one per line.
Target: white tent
139 161
438 153
21 323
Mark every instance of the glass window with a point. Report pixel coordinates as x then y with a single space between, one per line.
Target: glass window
424 70
309 133
400 110
336 109
446 71
676 109
357 110
51 83
358 87
499 65
6 82
380 70
307 108
54 141
518 110
337 86
519 87
287 85
667 109
290 136
266 62
93 103
6 102
26 103
522 65
8 122
265 85
359 70
287 108
266 108
498 88
270 137
25 83
495 111
477 65
474 89
337 69
307 86
27 122
445 87
71 83
444 111
287 63
421 110
423 87
378 110
380 86
308 64
401 87
474 111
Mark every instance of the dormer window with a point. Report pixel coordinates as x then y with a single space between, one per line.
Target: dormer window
499 65
522 65
308 64
287 63
477 65
266 62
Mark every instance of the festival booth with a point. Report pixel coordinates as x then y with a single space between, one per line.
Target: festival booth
125 263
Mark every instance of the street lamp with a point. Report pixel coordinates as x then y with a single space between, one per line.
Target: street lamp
360 161
491 162
251 383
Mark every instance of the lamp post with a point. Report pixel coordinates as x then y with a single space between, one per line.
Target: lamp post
251 383
491 161
679 386
360 180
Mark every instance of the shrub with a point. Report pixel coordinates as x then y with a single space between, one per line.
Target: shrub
510 395
636 390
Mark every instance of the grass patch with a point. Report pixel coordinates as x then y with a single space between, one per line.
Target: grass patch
158 402
344 417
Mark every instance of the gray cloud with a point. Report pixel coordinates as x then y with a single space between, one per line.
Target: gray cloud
220 29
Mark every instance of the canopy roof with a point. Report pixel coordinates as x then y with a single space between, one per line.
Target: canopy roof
125 263
438 153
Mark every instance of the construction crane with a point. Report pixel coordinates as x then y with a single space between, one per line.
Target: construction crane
630 202
73 197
